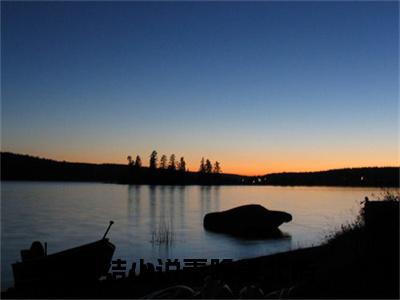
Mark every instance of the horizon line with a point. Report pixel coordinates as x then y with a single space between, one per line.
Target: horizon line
259 175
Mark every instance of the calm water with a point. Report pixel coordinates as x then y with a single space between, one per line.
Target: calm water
69 214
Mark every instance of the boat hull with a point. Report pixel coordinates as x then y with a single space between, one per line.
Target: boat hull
81 264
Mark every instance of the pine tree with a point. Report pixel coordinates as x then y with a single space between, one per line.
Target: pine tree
182 165
130 162
202 168
217 167
172 162
138 162
208 166
153 160
163 162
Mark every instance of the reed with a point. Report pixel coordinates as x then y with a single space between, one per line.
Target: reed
162 235
388 194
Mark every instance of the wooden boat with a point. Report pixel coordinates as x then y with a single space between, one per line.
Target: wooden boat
80 264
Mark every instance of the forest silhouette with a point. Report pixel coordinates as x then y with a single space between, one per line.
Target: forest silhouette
174 172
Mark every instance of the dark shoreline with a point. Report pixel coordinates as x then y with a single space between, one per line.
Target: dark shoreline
194 184
16 167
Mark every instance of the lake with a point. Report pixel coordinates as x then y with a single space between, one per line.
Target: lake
66 214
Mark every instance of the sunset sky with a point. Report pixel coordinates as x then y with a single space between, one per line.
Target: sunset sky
261 87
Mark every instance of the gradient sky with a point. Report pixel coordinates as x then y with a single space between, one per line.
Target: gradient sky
262 87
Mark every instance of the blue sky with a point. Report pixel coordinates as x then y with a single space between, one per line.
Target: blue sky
262 86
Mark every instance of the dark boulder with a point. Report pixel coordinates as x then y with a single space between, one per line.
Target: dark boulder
247 220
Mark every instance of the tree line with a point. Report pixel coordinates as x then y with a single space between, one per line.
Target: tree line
164 163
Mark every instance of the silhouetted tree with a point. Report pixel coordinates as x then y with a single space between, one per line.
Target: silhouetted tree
138 162
182 165
208 166
172 162
217 167
163 162
130 161
202 168
153 160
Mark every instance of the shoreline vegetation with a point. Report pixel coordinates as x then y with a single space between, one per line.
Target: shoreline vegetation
18 167
359 261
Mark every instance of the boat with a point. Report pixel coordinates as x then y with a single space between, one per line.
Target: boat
80 264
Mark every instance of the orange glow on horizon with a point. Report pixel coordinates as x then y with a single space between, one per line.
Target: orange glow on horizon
249 164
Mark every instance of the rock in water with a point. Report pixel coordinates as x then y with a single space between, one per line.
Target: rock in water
247 220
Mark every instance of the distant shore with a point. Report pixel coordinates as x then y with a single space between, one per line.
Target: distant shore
28 168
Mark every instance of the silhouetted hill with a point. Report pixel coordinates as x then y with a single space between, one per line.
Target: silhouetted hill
380 177
26 167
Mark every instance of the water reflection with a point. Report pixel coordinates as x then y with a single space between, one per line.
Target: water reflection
209 199
153 207
216 197
166 207
181 205
171 204
56 213
134 207
162 202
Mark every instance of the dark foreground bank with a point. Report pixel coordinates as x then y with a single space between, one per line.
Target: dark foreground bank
361 261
